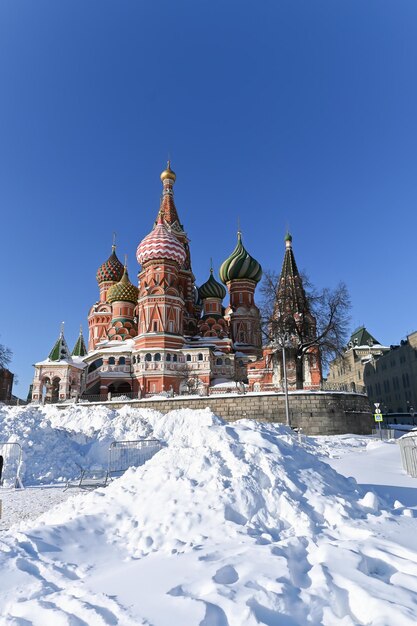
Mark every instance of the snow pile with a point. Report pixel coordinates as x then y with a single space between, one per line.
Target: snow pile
56 443
228 524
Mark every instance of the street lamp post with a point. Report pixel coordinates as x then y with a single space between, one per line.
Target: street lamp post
284 365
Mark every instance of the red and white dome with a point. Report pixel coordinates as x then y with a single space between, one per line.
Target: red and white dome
160 244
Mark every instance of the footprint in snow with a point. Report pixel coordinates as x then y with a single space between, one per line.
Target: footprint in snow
226 575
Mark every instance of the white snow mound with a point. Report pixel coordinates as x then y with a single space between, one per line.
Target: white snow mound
229 524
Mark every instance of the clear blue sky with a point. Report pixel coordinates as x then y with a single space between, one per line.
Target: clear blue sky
299 113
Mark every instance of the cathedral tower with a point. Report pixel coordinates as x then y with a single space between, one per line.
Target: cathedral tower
100 315
292 315
212 323
241 273
123 297
186 277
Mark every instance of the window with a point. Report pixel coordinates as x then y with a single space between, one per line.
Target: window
219 361
133 360
122 360
175 358
240 298
200 357
112 360
148 357
227 361
95 365
157 357
188 357
155 327
168 357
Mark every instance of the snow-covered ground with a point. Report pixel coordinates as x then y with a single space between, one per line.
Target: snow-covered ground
228 525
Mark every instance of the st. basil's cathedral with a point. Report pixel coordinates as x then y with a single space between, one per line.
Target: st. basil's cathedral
168 336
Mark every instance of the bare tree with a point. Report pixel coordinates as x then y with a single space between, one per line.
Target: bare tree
321 319
5 356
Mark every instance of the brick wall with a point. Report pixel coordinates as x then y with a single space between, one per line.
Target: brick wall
322 413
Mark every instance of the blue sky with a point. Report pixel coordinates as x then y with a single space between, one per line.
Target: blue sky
295 113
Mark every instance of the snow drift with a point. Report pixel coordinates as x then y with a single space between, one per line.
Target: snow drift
228 524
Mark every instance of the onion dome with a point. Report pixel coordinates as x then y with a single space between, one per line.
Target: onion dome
123 291
111 270
196 296
288 237
212 289
240 265
168 173
160 244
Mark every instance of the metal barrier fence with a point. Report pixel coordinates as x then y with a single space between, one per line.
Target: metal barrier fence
125 454
408 447
11 461
383 433
122 455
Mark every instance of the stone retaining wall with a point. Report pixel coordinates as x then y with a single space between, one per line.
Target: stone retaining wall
317 413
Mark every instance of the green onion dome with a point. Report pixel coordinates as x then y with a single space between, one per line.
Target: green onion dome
212 289
111 270
123 291
240 264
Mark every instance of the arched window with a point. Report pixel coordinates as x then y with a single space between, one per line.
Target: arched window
168 357
112 360
241 363
219 361
200 357
188 357
94 365
157 357
175 358
148 357
227 361
138 359
122 360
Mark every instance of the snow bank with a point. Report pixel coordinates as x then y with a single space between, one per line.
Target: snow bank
57 442
228 524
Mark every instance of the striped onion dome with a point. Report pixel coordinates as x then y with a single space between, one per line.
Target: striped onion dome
212 289
196 296
123 291
111 270
160 244
240 264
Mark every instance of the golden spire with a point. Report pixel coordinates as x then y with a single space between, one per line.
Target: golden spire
168 173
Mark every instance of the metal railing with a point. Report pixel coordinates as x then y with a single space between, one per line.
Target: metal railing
125 454
408 448
383 433
121 456
11 464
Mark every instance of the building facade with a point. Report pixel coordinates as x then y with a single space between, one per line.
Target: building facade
167 336
391 379
347 370
6 385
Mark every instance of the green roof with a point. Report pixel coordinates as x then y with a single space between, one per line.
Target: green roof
361 337
60 350
79 348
